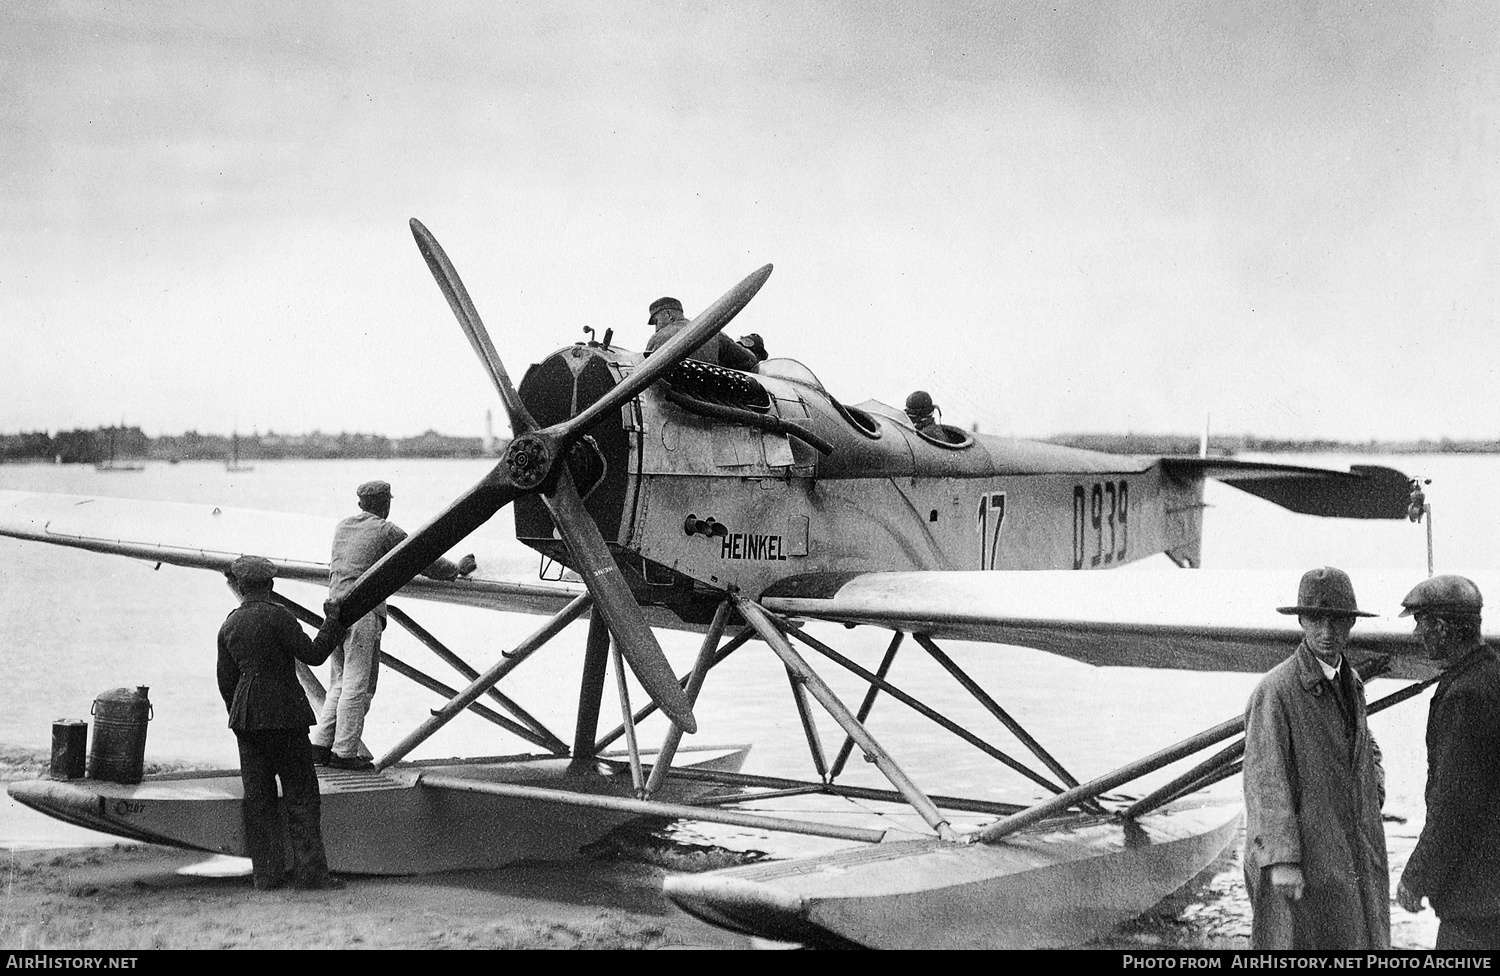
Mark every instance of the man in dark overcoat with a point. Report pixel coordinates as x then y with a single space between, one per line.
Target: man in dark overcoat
1315 861
260 643
1456 863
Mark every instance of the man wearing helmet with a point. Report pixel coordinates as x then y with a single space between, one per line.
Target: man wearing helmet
1315 862
922 412
1456 863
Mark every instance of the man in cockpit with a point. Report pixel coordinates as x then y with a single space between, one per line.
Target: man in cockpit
667 317
921 411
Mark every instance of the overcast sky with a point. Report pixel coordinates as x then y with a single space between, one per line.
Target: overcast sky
1055 217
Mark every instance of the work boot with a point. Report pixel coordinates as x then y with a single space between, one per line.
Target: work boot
336 761
321 755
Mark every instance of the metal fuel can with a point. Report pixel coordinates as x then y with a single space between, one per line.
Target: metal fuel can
69 748
118 752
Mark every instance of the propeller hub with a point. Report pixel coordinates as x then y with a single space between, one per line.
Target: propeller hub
529 459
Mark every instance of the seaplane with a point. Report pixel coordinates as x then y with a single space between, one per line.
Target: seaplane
668 492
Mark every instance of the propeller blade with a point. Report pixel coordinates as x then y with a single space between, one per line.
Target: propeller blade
417 551
613 599
707 324
442 269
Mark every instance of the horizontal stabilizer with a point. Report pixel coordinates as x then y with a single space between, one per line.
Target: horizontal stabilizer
1363 492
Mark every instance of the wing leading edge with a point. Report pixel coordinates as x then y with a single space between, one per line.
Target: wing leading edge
1196 621
211 537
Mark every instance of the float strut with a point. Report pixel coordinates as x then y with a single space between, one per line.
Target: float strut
489 714
590 694
552 743
493 674
993 707
316 695
646 808
1006 826
866 706
927 711
1224 764
637 778
809 724
694 686
760 620
734 644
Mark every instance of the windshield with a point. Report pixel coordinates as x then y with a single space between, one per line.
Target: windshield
791 370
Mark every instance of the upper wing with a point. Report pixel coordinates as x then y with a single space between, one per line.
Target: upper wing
1197 620
211 537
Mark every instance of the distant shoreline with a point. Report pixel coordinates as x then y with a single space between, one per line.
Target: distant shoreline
1229 445
119 445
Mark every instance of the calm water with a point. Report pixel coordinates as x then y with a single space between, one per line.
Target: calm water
74 624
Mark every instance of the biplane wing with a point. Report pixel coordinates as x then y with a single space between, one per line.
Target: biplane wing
1192 620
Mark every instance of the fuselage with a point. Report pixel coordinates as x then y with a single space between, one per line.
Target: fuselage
707 483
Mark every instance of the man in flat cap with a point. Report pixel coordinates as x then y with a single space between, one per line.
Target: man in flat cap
668 319
260 644
358 543
1315 861
1456 863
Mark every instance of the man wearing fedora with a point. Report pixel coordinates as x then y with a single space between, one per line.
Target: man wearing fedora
1456 863
1315 861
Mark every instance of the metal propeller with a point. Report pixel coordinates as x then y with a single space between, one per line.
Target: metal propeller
534 464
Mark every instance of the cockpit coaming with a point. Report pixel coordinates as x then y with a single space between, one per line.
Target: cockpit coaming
714 478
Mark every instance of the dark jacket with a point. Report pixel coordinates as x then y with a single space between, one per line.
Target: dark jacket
1313 793
259 645
1456 863
719 350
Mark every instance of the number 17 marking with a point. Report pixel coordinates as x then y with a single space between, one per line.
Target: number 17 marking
991 513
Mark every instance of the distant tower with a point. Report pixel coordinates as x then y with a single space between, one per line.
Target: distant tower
489 432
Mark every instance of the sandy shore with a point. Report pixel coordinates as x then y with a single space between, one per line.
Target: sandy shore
141 896
136 897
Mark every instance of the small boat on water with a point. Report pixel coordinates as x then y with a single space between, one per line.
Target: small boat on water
233 461
112 464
